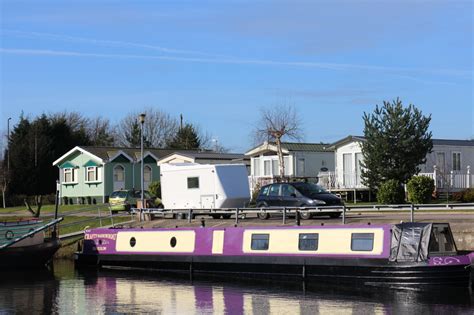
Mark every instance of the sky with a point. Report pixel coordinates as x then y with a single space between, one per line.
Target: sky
219 62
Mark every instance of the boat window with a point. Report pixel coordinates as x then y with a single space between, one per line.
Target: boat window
362 242
173 242
193 182
308 241
441 240
260 241
133 241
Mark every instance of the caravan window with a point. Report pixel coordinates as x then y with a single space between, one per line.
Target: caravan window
193 182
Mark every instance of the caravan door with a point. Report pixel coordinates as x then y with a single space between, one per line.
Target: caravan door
208 202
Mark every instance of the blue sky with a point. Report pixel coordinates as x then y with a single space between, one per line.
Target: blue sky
218 62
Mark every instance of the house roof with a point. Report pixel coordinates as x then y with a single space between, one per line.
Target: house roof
452 142
193 156
289 147
105 154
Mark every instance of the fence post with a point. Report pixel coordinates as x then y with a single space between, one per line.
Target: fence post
412 213
236 216
451 178
284 215
190 215
468 181
344 214
435 171
100 217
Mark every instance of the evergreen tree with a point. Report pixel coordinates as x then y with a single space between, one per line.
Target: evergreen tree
186 138
397 142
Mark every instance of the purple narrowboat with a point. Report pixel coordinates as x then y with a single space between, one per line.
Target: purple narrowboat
402 255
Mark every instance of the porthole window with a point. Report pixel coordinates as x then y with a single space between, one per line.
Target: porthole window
173 242
308 241
362 242
133 241
9 235
260 241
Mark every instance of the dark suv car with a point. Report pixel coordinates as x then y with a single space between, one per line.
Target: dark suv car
297 194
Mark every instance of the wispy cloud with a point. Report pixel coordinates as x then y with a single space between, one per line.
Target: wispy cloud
104 42
261 62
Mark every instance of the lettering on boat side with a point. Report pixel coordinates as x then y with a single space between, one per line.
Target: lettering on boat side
445 260
112 237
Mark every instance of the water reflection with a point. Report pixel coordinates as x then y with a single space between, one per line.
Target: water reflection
64 290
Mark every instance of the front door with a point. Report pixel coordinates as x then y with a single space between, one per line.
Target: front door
119 177
347 169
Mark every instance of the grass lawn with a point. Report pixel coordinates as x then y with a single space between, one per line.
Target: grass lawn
48 209
78 223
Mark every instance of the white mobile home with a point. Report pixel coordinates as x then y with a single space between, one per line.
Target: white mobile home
449 164
204 186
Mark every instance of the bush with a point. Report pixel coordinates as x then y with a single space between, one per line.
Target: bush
155 189
255 192
420 189
391 192
468 195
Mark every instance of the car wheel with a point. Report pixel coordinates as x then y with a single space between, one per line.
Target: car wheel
263 215
335 215
226 216
305 215
216 216
160 206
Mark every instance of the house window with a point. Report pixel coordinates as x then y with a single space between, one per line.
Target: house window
260 241
147 173
456 161
275 168
256 167
266 168
193 182
92 174
308 241
440 161
286 161
301 170
362 242
69 175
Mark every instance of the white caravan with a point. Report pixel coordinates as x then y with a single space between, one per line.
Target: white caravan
204 186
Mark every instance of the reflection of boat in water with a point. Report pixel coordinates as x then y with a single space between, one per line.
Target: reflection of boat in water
404 255
24 244
147 291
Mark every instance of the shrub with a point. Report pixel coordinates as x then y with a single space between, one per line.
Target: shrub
255 192
155 189
468 195
391 192
420 189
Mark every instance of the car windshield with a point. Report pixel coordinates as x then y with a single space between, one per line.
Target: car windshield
119 194
309 189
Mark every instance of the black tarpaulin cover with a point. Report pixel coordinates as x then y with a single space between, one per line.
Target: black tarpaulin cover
410 242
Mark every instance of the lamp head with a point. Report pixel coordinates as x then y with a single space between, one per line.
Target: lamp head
142 118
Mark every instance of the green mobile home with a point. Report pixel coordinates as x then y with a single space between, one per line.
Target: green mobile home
90 174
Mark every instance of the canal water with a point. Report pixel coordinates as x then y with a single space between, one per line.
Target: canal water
64 290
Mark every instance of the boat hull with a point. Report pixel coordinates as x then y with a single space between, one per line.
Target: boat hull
374 272
29 256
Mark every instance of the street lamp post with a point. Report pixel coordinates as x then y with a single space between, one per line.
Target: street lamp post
8 145
142 121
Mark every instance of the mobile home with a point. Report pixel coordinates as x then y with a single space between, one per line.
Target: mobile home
204 186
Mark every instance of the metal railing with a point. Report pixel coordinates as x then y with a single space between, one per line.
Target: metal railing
298 212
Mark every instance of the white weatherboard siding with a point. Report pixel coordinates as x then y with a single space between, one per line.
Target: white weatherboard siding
466 158
347 173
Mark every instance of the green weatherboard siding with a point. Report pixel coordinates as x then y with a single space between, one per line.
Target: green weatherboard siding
81 188
101 189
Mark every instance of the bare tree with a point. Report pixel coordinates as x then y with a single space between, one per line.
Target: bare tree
100 132
159 127
276 123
